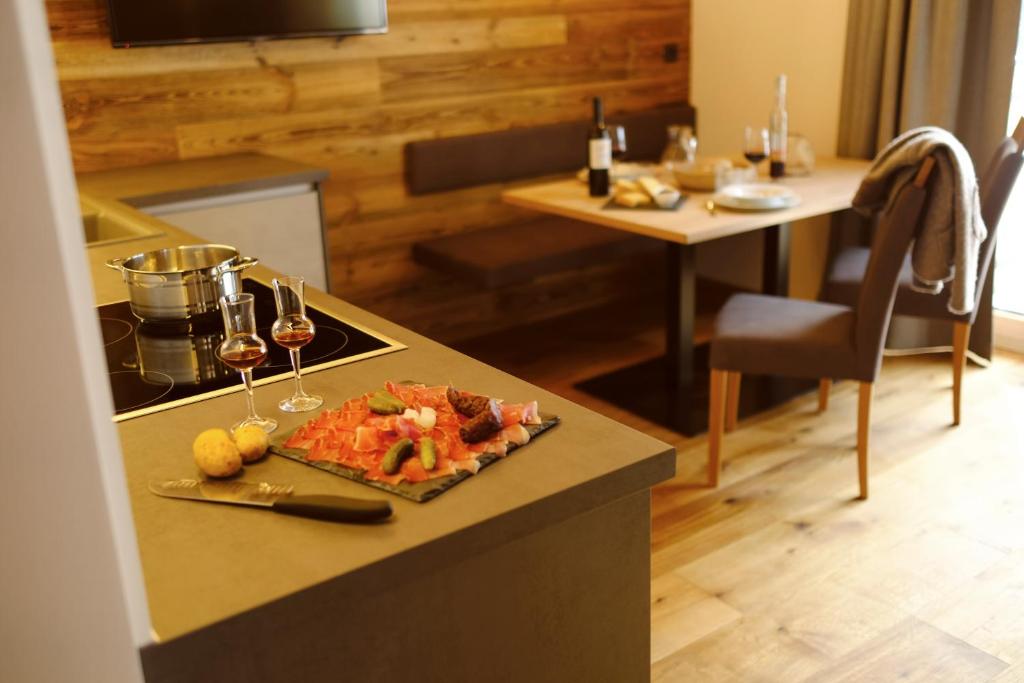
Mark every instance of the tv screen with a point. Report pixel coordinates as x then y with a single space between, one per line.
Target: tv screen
165 22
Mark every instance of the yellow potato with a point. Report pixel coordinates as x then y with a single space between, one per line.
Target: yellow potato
252 442
216 454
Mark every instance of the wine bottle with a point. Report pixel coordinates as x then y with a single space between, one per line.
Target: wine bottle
600 159
778 129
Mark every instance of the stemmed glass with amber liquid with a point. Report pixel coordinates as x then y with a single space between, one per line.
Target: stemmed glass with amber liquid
293 330
242 349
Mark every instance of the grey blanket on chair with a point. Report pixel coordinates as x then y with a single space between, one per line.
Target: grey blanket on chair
952 229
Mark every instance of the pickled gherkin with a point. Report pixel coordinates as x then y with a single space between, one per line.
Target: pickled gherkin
385 403
396 455
428 453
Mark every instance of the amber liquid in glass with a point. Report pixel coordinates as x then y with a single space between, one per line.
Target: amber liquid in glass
294 338
244 358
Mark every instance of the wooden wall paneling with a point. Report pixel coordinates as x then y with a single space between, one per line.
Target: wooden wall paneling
447 67
92 56
200 96
453 74
406 10
445 116
627 25
477 208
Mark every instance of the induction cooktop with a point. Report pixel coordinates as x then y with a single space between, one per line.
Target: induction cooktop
156 366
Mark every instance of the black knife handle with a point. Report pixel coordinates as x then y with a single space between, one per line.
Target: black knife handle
333 508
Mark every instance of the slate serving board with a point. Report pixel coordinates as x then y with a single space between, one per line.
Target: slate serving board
420 492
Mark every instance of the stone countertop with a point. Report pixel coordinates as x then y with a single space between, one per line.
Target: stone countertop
177 181
206 563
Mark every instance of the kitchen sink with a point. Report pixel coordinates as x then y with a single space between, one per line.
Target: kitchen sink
101 228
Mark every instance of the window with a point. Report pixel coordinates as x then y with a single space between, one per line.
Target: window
1008 289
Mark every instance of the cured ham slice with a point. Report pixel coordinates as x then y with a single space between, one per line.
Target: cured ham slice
516 434
471 466
408 429
355 437
520 413
498 447
367 439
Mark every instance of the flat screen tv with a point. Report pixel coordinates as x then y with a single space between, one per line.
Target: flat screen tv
167 22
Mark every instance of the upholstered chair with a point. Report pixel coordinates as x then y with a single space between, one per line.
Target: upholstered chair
769 335
842 285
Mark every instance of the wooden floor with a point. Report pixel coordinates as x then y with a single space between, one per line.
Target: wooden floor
779 575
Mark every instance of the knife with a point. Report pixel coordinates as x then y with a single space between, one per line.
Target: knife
278 498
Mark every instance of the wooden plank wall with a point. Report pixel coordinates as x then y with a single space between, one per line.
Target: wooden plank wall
447 67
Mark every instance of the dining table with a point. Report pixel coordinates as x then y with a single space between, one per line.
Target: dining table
672 390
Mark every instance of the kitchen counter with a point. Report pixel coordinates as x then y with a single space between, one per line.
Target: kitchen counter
262 205
177 181
549 547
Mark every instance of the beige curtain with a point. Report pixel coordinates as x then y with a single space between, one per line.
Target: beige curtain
945 63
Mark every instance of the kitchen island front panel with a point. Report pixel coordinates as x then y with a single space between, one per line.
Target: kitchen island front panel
570 602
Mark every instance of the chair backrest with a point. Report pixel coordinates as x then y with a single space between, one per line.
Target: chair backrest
996 185
896 230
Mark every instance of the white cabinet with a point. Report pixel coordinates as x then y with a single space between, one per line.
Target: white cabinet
280 226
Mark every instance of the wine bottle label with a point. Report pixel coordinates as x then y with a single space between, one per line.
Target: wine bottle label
601 154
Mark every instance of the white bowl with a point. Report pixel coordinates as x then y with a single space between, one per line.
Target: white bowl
700 174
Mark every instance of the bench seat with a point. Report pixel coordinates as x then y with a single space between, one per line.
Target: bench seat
512 254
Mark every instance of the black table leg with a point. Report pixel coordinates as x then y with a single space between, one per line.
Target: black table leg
775 275
681 312
673 390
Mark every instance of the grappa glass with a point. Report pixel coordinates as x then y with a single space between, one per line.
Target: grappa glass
242 349
293 330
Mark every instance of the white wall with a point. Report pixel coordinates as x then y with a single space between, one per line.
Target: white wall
737 49
72 603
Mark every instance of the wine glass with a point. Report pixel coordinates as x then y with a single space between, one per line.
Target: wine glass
293 330
618 136
242 349
755 144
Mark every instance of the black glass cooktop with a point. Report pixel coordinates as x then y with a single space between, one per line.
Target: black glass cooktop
155 366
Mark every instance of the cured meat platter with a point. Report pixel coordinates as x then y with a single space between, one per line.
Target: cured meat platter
413 440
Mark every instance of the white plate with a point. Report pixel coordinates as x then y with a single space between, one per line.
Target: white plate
757 197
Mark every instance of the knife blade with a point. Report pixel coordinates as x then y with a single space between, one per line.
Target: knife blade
276 497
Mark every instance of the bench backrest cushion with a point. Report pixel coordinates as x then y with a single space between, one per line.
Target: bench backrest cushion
445 164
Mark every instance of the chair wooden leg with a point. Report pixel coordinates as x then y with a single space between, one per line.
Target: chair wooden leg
716 424
732 400
961 333
863 436
824 387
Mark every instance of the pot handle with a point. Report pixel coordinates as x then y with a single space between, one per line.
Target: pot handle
243 263
116 263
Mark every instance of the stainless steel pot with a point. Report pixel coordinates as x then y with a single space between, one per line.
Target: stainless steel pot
180 282
187 358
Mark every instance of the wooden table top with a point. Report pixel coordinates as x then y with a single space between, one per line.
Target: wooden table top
830 188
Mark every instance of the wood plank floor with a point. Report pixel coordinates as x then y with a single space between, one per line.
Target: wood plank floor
779 574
